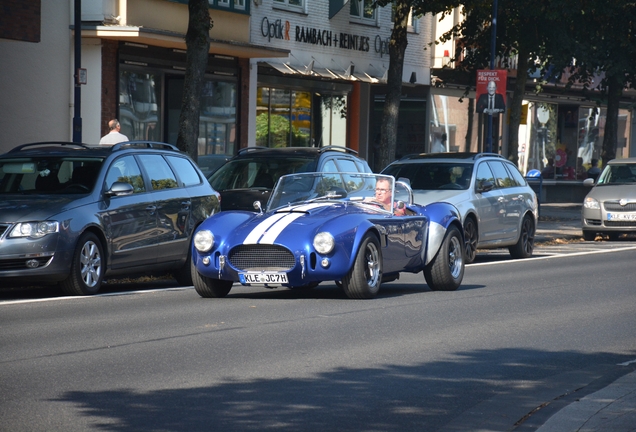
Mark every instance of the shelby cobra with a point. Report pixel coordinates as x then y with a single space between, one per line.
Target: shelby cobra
337 227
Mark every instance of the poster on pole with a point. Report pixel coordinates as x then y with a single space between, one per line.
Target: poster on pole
491 90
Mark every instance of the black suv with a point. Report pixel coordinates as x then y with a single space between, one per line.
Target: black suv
252 173
74 214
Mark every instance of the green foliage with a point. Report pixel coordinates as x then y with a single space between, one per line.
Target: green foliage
275 131
164 184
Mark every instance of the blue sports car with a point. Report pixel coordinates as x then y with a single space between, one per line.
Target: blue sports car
356 229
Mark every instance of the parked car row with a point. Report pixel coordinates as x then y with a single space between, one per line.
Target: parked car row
74 214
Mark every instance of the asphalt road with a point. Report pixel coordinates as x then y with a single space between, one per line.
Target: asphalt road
515 336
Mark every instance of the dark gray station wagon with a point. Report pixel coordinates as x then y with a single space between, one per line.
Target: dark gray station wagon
74 214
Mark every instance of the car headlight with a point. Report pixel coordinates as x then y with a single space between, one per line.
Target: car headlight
324 242
203 240
34 229
591 203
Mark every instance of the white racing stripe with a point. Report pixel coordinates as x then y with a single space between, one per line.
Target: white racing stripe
267 231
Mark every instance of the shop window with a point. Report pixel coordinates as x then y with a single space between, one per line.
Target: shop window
139 101
538 141
363 11
286 117
217 122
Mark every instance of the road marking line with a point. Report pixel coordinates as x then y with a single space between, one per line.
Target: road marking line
553 256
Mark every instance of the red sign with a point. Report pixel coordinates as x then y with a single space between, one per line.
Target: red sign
491 91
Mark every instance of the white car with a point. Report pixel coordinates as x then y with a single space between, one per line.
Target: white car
497 206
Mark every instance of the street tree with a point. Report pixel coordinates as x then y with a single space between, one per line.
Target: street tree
198 47
397 48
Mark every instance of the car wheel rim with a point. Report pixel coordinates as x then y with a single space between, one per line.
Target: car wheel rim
373 265
455 257
528 239
91 264
470 234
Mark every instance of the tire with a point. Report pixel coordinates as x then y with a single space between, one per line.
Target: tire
470 240
183 275
209 288
365 277
525 245
589 235
87 267
446 271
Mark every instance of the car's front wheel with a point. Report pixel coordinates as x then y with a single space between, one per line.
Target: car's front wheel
87 267
525 245
364 279
470 240
446 271
207 287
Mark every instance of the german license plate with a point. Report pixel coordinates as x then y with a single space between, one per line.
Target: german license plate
621 216
263 278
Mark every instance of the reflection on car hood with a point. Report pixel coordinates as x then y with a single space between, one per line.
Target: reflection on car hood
613 192
429 196
33 207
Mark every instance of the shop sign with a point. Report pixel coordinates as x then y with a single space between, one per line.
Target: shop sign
316 36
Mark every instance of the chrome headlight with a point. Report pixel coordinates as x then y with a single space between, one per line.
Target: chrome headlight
203 240
324 242
591 203
34 229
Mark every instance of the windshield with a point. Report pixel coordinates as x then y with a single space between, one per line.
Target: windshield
614 174
257 172
433 176
366 189
48 175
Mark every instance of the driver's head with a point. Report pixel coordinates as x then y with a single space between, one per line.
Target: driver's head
383 190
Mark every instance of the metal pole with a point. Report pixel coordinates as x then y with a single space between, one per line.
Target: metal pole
77 105
493 47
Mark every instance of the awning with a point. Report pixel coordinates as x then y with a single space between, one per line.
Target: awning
312 71
166 39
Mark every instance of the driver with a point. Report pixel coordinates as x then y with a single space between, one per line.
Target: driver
383 195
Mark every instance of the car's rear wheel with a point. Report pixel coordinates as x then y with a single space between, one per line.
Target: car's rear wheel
87 267
364 279
183 275
446 271
207 287
525 245
470 240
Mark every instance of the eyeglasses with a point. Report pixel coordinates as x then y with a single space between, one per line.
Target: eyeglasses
381 190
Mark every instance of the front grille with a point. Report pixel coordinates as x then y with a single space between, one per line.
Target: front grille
261 257
616 207
628 224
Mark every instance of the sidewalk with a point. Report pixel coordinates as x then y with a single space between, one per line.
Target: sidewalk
613 407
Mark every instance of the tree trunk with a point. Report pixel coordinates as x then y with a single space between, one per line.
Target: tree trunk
198 47
610 138
397 47
516 105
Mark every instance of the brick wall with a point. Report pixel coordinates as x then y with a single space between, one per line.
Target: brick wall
20 20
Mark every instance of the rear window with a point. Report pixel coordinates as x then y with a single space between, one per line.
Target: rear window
258 172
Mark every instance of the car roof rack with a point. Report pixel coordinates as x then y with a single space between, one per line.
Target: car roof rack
144 144
48 144
446 155
337 148
252 148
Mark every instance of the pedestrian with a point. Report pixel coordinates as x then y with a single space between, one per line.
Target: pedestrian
114 136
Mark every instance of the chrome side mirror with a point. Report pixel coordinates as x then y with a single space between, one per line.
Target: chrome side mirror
257 206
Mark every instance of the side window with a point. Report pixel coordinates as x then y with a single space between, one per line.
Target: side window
516 175
161 176
484 174
125 169
501 175
329 166
187 173
346 165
